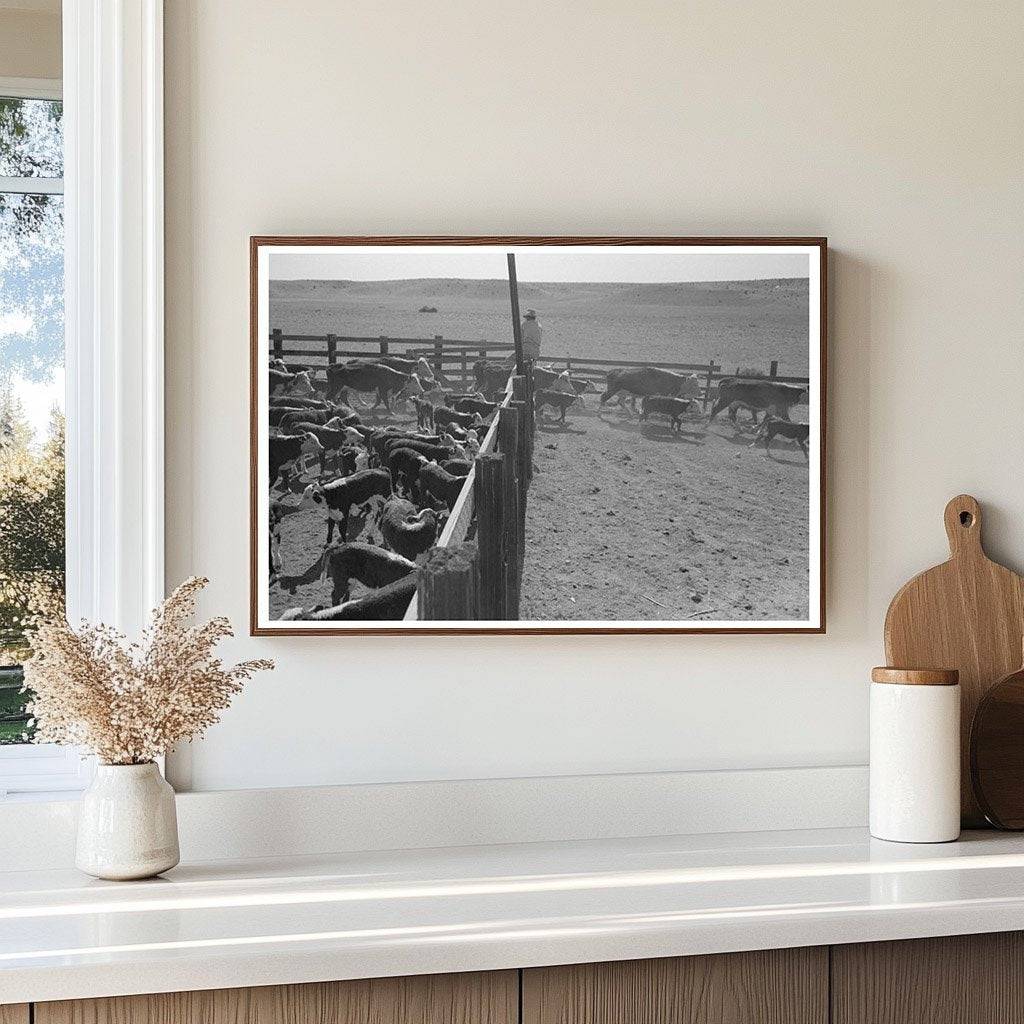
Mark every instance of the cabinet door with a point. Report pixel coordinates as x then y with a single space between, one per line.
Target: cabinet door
962 979
490 998
14 1013
778 986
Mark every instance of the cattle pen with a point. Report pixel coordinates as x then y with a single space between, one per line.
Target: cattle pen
474 570
453 358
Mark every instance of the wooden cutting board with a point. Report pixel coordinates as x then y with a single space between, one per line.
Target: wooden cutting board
967 614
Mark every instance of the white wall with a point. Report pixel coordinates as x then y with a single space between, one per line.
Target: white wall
895 129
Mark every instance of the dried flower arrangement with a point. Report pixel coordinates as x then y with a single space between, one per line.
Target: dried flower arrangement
129 703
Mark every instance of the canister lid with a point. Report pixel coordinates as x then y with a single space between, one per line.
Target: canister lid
916 676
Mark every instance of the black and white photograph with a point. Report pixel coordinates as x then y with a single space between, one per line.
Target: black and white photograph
537 435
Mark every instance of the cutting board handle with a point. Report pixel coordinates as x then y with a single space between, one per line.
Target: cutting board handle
963 526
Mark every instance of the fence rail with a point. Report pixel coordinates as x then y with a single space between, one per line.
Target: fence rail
492 500
454 358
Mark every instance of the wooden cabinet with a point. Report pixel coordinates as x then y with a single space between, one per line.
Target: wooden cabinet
970 979
490 998
963 979
778 986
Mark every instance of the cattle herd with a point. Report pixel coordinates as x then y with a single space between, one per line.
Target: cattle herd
345 447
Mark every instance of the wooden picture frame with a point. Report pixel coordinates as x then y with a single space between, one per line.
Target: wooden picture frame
261 249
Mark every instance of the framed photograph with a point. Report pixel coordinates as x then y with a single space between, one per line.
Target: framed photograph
537 435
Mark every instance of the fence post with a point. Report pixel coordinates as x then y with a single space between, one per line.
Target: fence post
332 349
448 584
523 396
438 350
278 342
773 370
508 444
488 500
707 389
383 345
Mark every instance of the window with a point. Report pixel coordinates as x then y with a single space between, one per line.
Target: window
32 512
108 206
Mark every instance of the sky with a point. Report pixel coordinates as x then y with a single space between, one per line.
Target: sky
535 265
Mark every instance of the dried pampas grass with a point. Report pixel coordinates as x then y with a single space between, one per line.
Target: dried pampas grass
129 703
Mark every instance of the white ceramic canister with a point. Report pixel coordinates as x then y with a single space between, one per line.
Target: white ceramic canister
127 825
915 755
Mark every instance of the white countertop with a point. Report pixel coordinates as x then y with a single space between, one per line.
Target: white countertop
262 922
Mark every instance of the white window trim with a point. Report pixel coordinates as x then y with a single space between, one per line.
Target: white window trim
114 318
31 88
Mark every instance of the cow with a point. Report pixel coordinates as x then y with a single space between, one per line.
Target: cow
371 565
404 464
286 449
559 400
665 405
771 396
367 378
443 416
337 498
440 485
332 438
491 377
546 377
284 383
650 380
406 531
472 404
457 467
776 426
389 602
398 363
379 439
425 448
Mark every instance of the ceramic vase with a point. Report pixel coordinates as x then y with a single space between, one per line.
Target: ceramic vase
127 825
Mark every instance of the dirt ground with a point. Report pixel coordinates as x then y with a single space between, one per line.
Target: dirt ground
633 522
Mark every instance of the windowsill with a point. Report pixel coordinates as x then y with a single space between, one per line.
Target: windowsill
304 919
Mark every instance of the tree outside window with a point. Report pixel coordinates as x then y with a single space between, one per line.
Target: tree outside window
31 386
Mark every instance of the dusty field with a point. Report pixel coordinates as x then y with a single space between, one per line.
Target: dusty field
737 323
627 522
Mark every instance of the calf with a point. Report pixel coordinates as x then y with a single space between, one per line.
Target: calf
285 450
336 499
666 405
407 531
457 467
775 426
425 448
424 413
443 416
388 603
439 484
285 383
332 438
474 405
404 464
558 400
371 565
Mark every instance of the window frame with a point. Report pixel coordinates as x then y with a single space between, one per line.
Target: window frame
112 90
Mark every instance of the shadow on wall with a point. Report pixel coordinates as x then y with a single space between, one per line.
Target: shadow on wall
855 287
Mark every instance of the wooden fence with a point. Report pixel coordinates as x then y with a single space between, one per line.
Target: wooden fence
475 570
454 358
451 357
